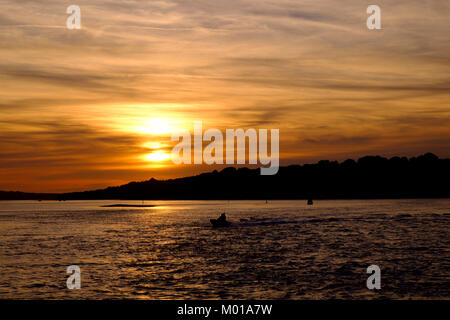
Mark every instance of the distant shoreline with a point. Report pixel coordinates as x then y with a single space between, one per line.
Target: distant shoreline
120 205
370 177
280 199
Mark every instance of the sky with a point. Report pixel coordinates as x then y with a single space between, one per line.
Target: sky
89 108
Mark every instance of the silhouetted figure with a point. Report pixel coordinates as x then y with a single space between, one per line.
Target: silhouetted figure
220 222
310 202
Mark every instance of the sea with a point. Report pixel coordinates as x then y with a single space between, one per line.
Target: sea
272 250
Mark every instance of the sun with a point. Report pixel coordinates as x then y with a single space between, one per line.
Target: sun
157 156
154 145
157 126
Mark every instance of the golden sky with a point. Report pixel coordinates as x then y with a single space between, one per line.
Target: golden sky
83 109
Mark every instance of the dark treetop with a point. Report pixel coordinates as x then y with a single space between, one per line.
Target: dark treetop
425 176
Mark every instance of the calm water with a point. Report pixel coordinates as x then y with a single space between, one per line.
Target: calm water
279 250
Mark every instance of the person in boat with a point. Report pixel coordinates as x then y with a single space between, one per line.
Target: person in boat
222 218
220 222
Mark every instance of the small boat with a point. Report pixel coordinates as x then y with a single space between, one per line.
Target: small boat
221 222
216 223
310 202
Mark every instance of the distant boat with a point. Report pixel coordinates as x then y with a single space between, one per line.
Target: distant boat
221 222
310 202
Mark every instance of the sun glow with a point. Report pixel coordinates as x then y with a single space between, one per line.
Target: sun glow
154 145
157 156
157 126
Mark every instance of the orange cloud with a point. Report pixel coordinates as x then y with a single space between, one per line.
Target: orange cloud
76 106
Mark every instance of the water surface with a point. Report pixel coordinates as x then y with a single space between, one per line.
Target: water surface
274 250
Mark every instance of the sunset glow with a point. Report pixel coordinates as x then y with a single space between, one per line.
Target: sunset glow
224 159
157 126
95 107
157 156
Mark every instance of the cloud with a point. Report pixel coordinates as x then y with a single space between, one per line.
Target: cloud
310 68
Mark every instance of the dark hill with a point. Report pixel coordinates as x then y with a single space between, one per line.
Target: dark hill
425 176
16 195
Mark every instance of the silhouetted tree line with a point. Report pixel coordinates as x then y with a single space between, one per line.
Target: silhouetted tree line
425 176
16 195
